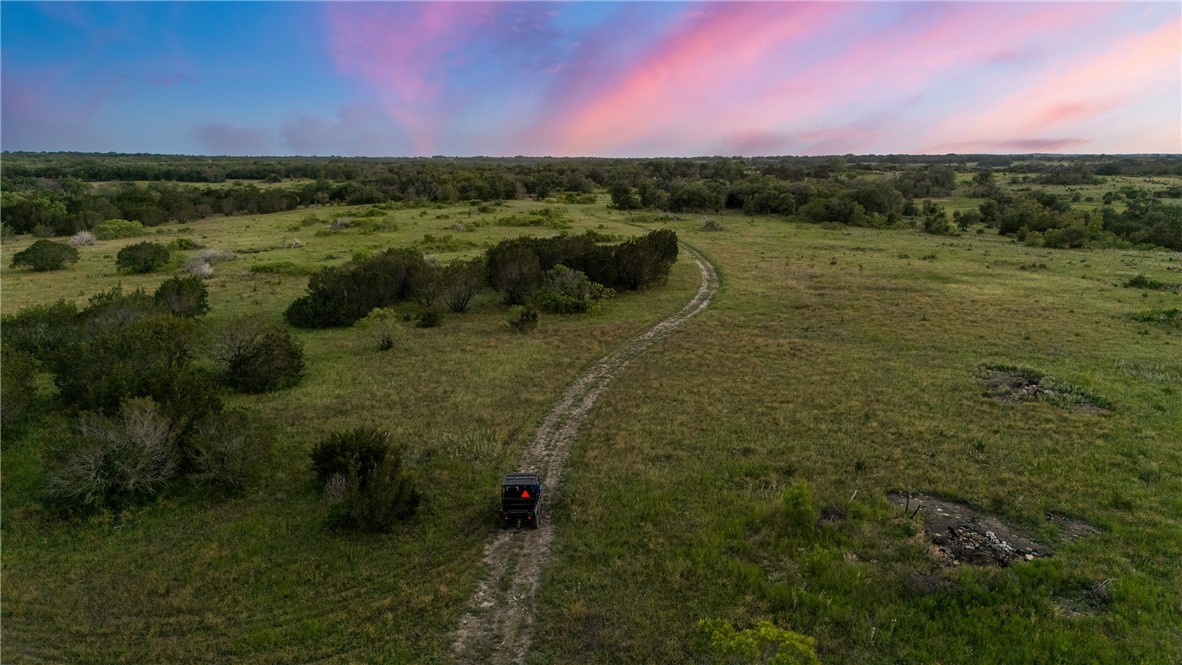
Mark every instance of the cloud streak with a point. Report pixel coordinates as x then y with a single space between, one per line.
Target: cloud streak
608 79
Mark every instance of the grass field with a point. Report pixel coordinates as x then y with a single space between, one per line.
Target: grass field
844 361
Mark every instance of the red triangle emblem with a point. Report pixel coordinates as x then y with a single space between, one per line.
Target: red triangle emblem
525 494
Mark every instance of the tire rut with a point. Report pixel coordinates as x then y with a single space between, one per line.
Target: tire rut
497 626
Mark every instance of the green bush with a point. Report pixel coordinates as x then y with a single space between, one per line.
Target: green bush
461 281
16 388
523 319
185 297
364 480
363 448
142 257
227 450
113 229
45 255
116 461
430 318
342 296
717 641
257 358
40 330
568 291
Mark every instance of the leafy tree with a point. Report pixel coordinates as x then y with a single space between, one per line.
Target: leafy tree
257 358
461 281
623 197
935 219
45 255
185 297
142 257
514 270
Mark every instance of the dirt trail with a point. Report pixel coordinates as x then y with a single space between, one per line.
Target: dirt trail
496 628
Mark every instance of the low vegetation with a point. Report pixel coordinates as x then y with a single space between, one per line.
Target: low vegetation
725 501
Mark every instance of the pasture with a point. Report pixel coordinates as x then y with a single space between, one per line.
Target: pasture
737 471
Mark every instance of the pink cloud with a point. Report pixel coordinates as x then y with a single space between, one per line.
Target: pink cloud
403 52
1103 87
694 74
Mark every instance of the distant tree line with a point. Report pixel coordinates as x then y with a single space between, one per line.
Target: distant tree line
52 195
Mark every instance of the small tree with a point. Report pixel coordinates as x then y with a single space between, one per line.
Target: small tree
259 358
142 257
45 255
462 280
364 480
117 461
185 297
514 270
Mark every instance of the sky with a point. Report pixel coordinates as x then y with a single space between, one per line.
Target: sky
611 79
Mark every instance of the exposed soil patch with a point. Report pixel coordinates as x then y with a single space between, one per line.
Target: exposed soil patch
957 534
1005 383
496 628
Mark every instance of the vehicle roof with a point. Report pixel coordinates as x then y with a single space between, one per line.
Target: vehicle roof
521 479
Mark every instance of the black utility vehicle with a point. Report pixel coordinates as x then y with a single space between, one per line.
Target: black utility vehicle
521 494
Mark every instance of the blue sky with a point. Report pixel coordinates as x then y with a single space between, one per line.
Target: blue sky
610 79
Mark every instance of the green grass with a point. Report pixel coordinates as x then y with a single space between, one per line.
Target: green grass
838 360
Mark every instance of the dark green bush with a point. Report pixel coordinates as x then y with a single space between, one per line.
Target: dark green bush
514 270
363 448
568 291
461 281
364 480
115 461
45 255
142 257
342 296
185 297
430 318
523 319
257 358
40 330
227 450
16 387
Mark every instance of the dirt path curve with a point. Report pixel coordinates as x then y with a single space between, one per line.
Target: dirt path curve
496 628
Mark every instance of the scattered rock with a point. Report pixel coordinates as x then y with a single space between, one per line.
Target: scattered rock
956 534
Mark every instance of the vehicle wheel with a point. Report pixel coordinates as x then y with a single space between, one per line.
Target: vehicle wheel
533 524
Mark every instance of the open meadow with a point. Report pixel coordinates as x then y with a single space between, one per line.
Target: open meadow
739 470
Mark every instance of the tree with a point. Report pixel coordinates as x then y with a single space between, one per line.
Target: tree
257 358
45 255
462 280
142 257
623 197
514 270
185 297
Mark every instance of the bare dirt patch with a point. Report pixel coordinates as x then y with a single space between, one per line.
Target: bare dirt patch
496 628
957 534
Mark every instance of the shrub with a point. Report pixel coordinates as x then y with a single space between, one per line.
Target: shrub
45 255
40 330
569 291
429 285
364 480
259 358
430 318
342 296
1142 282
16 387
363 448
147 357
116 461
185 297
514 270
227 450
712 225
717 641
199 269
113 229
523 319
113 308
142 257
82 239
461 281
